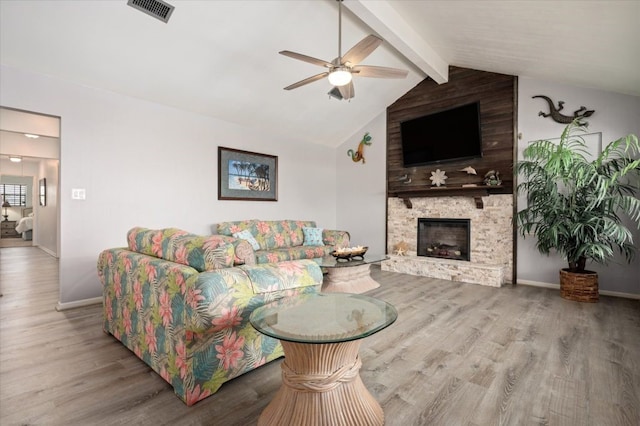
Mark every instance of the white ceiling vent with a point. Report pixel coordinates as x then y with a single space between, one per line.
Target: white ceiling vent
156 8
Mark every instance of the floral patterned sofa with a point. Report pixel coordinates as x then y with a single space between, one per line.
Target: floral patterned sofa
182 305
279 240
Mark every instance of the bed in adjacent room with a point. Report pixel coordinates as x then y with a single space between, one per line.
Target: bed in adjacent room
25 224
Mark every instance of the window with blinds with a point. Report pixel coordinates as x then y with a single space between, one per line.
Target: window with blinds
15 194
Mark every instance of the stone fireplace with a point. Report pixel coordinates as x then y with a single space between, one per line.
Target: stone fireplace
490 234
444 238
411 194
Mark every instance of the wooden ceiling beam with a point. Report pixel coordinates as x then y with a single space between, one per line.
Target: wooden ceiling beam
381 17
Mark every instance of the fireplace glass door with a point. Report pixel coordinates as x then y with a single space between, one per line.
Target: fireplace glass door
444 238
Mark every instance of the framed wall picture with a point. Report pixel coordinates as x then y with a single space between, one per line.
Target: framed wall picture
592 142
43 191
244 175
592 148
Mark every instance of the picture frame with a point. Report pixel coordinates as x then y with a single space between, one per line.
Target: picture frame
43 191
248 176
592 141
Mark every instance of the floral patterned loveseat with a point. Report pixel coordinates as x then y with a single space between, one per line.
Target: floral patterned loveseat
179 302
279 240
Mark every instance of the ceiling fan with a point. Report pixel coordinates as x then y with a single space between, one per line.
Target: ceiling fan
341 70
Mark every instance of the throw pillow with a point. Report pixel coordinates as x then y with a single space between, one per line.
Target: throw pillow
248 236
312 236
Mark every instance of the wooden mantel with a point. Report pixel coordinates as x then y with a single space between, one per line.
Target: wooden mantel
476 192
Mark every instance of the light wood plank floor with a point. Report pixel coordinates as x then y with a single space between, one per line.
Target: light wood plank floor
14 242
458 354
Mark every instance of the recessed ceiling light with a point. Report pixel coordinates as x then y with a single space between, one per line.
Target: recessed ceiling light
15 159
29 135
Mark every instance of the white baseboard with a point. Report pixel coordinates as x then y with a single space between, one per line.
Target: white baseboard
46 250
619 294
78 303
538 284
602 292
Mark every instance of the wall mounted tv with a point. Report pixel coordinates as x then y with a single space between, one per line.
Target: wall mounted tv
444 136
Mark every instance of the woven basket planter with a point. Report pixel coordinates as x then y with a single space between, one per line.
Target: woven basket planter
579 287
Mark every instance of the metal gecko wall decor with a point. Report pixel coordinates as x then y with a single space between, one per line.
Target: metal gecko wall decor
556 116
358 155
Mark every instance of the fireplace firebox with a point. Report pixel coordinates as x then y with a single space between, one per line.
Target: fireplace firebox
444 238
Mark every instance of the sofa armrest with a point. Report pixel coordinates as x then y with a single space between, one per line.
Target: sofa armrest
335 238
244 253
142 286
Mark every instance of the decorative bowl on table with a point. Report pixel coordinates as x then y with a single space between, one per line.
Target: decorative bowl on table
349 253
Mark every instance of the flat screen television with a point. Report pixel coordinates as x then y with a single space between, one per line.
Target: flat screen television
444 136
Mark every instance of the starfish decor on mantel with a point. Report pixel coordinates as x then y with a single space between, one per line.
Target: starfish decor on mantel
438 177
401 248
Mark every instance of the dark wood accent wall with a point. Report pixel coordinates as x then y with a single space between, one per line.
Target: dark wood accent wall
497 96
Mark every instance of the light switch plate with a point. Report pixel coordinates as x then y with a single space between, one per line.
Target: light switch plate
78 194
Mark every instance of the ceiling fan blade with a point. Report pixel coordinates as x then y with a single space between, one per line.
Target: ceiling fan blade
307 80
305 58
347 91
378 72
361 50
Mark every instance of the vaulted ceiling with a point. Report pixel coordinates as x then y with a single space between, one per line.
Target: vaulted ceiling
220 58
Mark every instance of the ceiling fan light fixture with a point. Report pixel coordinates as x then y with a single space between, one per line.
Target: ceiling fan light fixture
340 76
339 71
15 159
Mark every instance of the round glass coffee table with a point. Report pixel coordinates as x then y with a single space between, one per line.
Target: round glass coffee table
320 334
349 276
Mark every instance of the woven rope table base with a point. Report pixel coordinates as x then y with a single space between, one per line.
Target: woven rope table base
349 279
321 386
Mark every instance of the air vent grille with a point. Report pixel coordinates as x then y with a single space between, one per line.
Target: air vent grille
156 8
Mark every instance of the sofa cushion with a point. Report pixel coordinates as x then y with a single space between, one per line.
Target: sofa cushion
270 277
247 236
312 236
271 235
199 252
292 253
230 228
274 234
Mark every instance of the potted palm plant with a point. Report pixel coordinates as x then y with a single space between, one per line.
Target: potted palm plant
576 204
